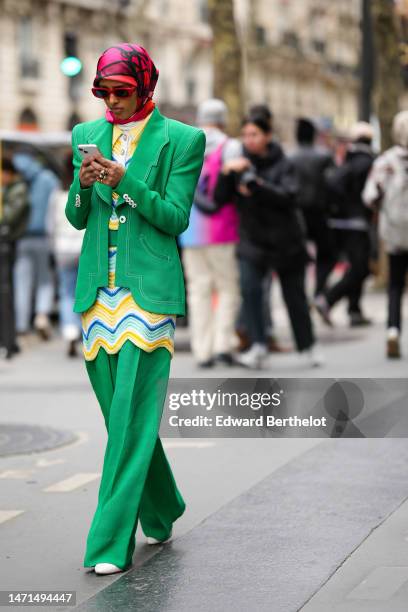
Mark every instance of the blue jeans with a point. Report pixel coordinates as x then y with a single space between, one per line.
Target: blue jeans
32 274
70 321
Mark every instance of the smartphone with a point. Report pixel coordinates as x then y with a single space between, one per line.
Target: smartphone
88 149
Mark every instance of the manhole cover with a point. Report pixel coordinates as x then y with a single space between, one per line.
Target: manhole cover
16 439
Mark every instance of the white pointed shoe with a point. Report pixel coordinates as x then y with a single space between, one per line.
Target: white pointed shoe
151 540
107 568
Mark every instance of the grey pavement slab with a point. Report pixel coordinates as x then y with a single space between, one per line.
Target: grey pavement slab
274 546
374 577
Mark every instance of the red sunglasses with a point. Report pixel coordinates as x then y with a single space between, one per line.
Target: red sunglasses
119 92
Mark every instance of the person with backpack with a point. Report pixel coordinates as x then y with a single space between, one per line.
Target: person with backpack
350 221
209 248
312 163
32 270
386 191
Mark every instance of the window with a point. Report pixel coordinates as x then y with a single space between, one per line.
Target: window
29 67
203 11
73 119
319 46
291 39
260 36
27 120
190 90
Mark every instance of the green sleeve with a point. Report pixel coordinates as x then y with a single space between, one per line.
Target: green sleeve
79 198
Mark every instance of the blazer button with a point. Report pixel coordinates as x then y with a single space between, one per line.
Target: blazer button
122 218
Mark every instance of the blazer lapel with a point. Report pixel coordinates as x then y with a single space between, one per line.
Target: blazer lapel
154 138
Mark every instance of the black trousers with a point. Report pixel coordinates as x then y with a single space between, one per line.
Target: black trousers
322 235
356 247
7 314
398 267
292 282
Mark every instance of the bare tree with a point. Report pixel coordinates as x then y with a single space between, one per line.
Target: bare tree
227 60
388 81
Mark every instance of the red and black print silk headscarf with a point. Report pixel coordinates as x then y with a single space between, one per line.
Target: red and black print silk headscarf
132 61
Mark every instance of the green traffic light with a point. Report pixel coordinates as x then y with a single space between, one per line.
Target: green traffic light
71 66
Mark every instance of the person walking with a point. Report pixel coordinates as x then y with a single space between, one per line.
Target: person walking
65 244
312 164
274 346
32 270
272 236
351 224
209 248
15 211
386 191
133 198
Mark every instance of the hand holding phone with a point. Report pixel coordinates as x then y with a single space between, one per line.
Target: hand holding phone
88 173
95 167
85 150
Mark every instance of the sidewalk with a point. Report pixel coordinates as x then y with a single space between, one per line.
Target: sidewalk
276 546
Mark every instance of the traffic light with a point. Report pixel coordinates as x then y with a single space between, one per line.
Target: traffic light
71 65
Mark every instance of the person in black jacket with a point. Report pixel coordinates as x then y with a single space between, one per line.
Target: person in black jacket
14 214
351 224
272 236
312 164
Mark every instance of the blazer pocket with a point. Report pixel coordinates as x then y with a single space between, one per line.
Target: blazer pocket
145 243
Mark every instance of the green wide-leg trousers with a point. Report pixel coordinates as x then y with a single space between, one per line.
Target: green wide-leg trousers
137 481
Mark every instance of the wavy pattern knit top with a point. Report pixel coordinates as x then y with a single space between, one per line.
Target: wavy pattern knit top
115 317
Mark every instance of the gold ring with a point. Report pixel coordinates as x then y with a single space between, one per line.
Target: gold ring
102 175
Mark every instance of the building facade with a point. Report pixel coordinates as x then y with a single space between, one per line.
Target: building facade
301 58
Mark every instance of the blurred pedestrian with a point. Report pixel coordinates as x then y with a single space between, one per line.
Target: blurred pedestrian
209 248
272 236
32 270
65 242
351 222
312 164
133 197
386 190
273 344
13 222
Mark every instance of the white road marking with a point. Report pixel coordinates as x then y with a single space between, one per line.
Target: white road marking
6 515
47 462
381 584
16 474
72 483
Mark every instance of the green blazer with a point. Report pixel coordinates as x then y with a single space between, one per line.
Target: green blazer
155 198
